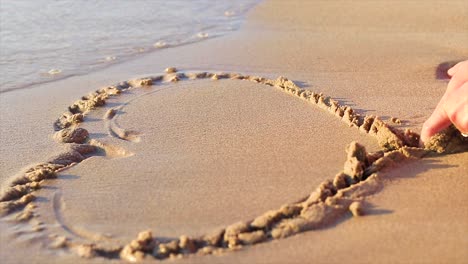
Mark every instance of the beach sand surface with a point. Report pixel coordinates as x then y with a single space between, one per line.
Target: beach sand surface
207 153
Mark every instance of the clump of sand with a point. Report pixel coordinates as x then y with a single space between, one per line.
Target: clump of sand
449 140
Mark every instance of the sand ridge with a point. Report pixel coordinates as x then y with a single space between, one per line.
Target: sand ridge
329 203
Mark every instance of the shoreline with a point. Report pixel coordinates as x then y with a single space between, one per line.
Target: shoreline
49 61
120 63
347 69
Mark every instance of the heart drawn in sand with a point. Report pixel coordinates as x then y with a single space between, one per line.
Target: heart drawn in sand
329 203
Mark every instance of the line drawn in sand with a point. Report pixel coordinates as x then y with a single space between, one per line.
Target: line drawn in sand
115 130
58 205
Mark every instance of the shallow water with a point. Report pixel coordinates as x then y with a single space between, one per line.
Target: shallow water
44 40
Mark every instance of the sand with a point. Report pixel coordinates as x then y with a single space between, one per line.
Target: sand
221 160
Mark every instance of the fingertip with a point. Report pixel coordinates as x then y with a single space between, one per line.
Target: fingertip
455 68
434 124
451 71
426 134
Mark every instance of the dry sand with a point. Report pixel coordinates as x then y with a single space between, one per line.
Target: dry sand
195 156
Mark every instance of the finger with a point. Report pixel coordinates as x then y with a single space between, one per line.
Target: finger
459 78
457 111
436 122
455 68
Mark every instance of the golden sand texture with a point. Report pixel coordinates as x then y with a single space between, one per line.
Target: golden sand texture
329 203
380 57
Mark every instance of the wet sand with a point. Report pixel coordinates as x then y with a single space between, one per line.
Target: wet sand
195 156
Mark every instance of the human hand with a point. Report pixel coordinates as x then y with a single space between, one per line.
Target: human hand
453 107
